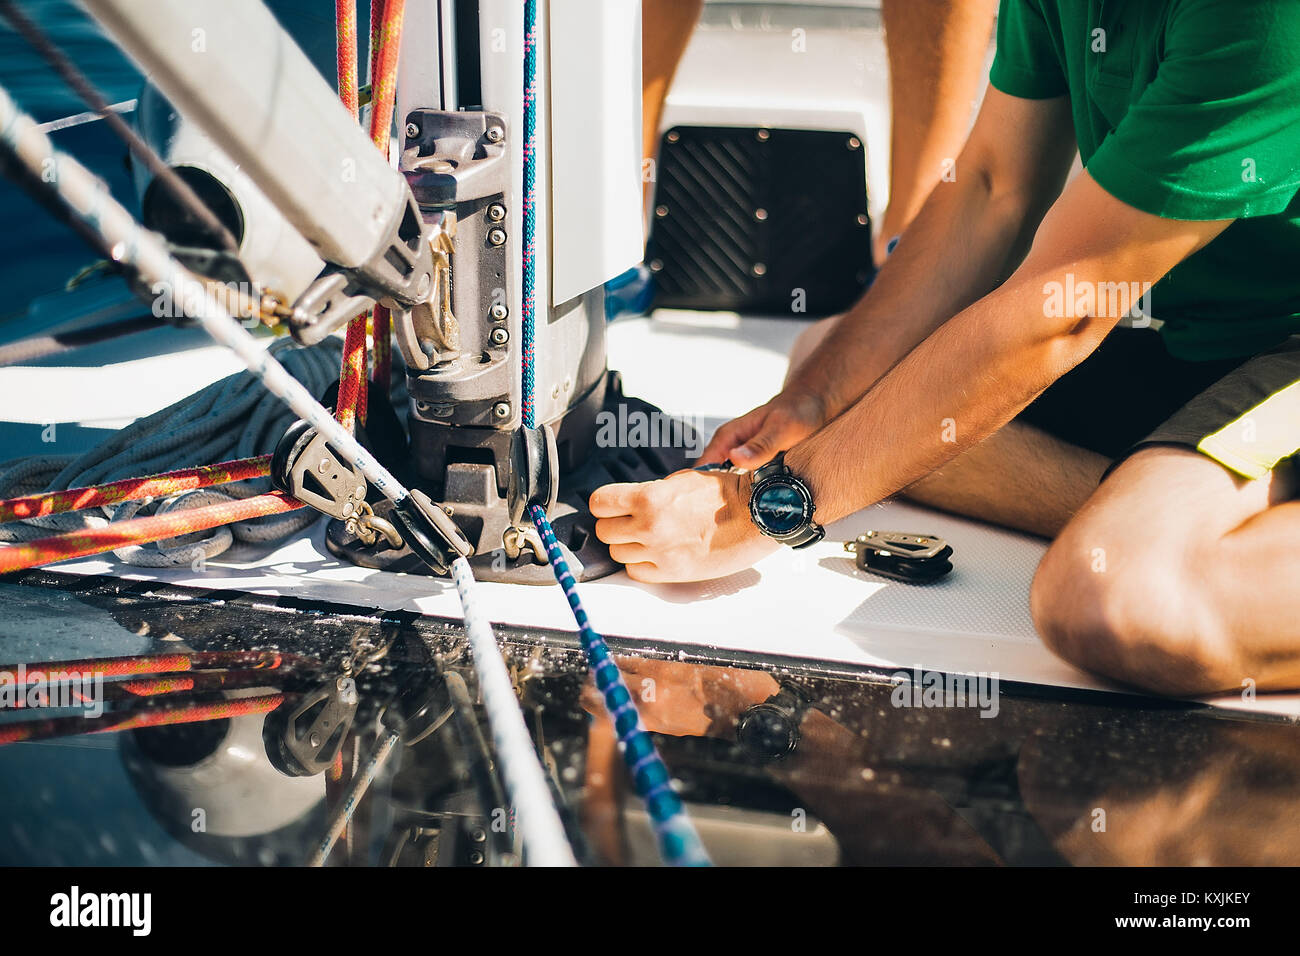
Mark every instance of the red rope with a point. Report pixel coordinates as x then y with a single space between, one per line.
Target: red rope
79 544
345 19
381 337
144 664
133 489
194 713
386 43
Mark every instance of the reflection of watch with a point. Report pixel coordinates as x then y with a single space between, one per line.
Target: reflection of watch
781 505
770 730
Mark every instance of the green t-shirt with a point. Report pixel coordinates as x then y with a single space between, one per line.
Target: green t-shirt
1187 109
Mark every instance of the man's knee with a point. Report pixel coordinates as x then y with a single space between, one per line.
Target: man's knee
809 338
1132 615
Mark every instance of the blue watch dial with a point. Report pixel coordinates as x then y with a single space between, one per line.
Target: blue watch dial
780 508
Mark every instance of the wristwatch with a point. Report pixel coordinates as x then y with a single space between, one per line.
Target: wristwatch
781 505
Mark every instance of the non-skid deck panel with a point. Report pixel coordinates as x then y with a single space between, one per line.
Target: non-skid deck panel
812 604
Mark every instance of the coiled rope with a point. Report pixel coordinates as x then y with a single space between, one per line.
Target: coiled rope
679 843
233 421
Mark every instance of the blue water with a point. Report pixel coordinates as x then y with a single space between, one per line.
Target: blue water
38 254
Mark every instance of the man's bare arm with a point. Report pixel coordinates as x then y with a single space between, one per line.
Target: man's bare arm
987 363
967 238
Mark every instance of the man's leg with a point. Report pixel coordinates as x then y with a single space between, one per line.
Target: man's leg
666 27
1020 477
936 59
1179 577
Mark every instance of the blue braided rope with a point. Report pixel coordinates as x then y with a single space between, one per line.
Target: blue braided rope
679 844
530 211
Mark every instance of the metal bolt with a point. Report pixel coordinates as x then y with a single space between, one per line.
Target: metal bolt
499 336
501 409
478 835
499 311
673 136
360 493
854 143
497 237
656 265
862 219
496 212
494 134
760 215
412 131
764 135
324 466
759 269
476 858
661 211
424 284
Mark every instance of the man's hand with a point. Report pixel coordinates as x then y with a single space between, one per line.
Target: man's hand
689 526
754 438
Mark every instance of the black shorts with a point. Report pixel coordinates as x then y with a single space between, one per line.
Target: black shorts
1131 393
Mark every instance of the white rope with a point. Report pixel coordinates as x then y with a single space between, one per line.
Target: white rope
525 781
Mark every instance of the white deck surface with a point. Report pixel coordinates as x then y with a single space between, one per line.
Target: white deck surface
811 604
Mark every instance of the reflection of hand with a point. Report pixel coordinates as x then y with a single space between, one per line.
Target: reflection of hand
687 700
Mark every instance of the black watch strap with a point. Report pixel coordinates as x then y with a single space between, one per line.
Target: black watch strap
807 534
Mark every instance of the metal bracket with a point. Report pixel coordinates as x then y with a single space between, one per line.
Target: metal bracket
901 555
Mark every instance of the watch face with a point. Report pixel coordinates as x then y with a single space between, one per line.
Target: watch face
779 508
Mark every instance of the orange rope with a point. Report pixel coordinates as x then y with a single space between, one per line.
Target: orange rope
152 717
133 489
79 544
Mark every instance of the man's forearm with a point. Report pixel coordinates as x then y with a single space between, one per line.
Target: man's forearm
965 240
963 383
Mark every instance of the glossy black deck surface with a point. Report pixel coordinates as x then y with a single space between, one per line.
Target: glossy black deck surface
1026 778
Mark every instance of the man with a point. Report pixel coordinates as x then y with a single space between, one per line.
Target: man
1179 573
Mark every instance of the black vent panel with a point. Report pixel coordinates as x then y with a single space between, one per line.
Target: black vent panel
763 221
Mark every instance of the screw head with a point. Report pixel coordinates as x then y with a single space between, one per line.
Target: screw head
759 269
497 237
494 134
760 215
854 143
661 211
673 136
499 336
763 135
499 311
412 131
501 409
496 212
